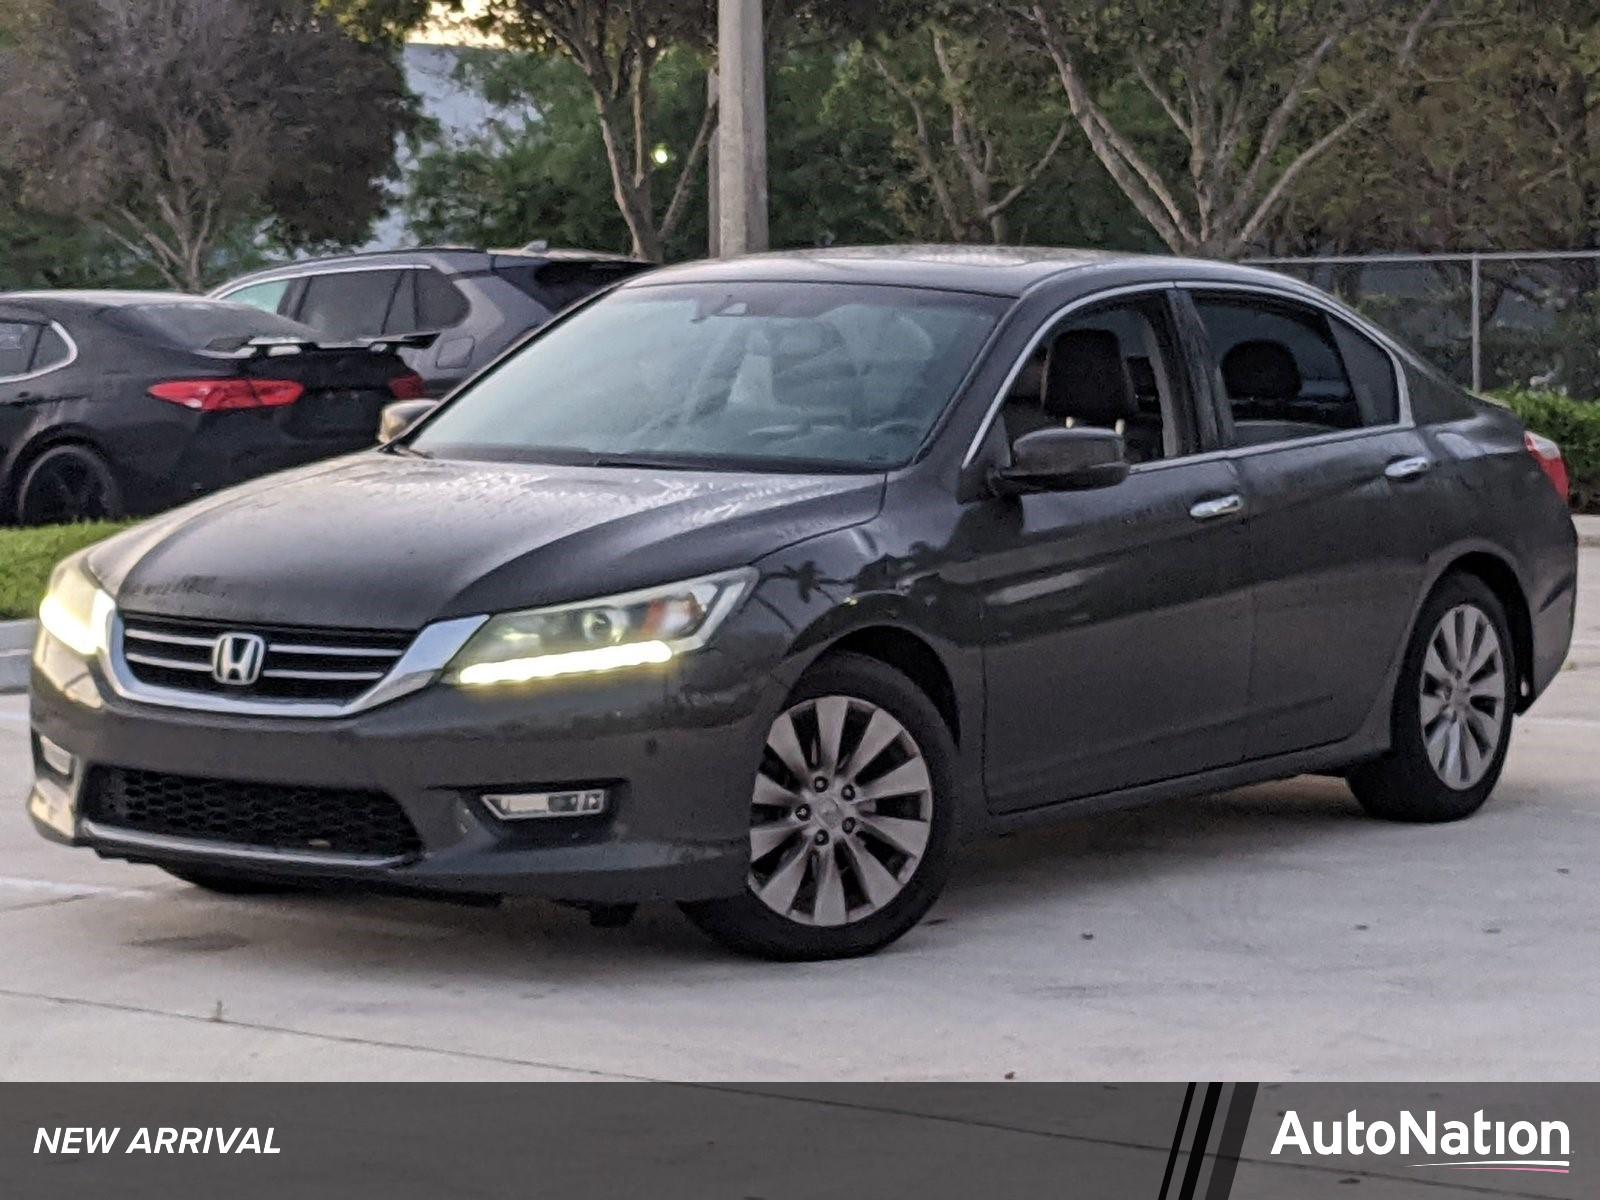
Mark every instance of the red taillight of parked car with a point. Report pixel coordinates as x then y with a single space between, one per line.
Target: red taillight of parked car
408 387
221 395
1548 455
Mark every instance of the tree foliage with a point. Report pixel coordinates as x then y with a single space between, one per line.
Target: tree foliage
172 125
1244 87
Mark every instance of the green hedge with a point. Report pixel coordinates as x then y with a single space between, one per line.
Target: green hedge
27 556
1575 426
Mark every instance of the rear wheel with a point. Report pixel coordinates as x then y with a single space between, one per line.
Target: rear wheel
1452 711
67 484
852 828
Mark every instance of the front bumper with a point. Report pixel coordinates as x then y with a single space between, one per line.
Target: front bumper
677 748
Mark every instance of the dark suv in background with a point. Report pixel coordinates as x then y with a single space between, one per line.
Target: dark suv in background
480 301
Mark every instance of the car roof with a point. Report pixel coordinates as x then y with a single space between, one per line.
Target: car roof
989 270
85 300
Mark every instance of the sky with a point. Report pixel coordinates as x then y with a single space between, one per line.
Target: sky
445 28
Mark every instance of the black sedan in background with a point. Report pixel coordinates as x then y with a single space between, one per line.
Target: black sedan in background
756 585
115 403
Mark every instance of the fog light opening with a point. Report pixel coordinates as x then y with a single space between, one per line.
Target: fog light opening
57 759
522 806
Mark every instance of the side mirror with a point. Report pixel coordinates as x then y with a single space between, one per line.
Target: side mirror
401 416
1062 460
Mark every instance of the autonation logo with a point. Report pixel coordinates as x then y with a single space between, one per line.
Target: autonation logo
1476 1145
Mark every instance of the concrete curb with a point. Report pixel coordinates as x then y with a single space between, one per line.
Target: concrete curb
16 640
1588 530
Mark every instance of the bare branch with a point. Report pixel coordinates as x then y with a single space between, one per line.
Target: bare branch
1027 181
1137 179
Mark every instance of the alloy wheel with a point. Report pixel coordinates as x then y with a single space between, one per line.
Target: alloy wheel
63 490
1464 696
841 812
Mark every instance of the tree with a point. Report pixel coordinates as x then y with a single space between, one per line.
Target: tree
1244 86
173 125
970 116
617 46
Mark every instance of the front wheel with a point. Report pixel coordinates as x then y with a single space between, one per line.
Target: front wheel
852 828
1452 711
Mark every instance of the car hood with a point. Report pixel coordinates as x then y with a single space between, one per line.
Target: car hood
381 541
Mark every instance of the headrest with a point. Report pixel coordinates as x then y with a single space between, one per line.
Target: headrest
1086 379
1029 383
1261 370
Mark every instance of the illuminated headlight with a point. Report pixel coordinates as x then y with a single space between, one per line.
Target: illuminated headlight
75 610
613 633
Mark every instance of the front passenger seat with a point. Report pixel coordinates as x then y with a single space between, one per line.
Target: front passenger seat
1086 383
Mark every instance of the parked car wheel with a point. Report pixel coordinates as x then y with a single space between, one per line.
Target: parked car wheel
852 825
67 484
226 884
1452 711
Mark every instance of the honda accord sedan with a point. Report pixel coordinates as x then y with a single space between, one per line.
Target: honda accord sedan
760 585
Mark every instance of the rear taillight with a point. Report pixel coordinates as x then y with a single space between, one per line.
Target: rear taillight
220 395
1548 455
408 387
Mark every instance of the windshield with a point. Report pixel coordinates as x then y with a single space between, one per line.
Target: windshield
777 375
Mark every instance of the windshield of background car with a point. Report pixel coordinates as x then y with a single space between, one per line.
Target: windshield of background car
761 375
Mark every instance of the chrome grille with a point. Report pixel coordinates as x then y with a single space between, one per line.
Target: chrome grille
321 665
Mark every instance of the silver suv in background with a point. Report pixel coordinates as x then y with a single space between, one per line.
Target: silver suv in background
479 301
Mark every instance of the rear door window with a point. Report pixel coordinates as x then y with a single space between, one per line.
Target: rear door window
349 304
440 303
1283 373
1372 375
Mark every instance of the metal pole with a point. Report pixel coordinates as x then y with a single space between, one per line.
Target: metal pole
713 176
741 128
1477 323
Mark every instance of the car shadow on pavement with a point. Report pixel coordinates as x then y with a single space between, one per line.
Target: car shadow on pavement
526 942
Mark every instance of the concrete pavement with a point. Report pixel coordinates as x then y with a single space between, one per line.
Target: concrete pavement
1270 933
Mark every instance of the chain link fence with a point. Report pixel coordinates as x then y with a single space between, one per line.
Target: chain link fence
1492 320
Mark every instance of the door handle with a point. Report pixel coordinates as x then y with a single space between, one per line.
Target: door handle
1408 468
1222 506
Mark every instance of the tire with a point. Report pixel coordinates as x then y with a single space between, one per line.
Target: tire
1425 776
887 821
67 484
223 883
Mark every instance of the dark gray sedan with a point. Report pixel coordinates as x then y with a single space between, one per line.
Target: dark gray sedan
757 585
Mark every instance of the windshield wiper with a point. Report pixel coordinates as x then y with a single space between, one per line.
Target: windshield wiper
661 462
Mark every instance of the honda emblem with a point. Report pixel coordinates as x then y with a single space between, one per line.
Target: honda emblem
237 657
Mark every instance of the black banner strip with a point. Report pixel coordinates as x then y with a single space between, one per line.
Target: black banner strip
1202 1137
1177 1141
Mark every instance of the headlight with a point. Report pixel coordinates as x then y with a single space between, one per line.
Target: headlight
634 630
75 610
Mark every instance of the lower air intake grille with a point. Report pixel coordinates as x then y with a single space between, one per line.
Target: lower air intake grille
251 814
